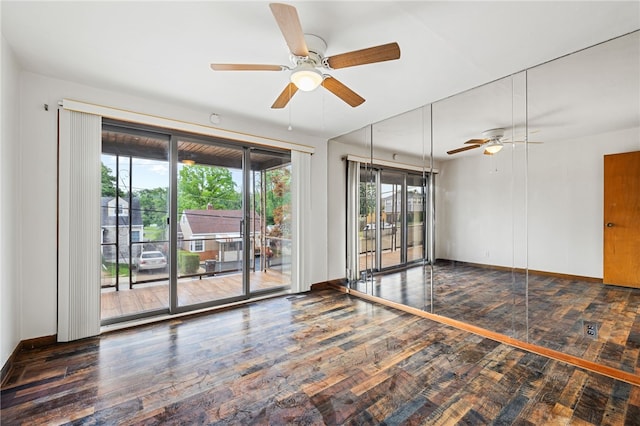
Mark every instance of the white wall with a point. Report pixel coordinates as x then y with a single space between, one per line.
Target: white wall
480 205
480 209
566 201
38 184
9 206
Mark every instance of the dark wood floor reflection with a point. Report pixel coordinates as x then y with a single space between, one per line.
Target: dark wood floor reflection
553 315
318 358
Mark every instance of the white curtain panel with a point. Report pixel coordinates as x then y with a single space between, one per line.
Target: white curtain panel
79 225
301 210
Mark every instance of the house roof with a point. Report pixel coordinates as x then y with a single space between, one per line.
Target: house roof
203 222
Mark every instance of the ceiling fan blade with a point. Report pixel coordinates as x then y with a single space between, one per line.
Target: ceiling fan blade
464 148
285 96
246 67
476 141
289 23
385 52
342 91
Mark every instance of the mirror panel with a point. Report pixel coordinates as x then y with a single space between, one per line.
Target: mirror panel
515 240
582 107
475 279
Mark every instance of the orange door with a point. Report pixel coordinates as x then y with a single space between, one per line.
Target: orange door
622 219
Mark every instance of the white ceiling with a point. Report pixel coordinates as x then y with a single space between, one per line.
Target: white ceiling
162 50
590 92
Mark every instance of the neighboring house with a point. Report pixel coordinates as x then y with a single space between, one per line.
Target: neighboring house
215 234
115 221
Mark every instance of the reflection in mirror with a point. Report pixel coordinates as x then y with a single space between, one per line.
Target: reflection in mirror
584 107
519 235
386 225
479 205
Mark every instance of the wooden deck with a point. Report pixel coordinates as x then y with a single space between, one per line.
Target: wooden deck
320 358
154 295
390 257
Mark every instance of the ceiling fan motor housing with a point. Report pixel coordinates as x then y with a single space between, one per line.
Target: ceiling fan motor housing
316 47
493 134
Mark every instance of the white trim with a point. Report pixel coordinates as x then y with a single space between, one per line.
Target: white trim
394 164
167 123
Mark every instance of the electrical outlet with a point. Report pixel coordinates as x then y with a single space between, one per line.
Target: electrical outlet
590 329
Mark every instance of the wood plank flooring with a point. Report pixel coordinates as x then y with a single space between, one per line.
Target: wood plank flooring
317 358
151 296
551 315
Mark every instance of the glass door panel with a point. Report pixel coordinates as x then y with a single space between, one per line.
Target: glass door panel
392 232
189 222
134 234
269 221
391 218
368 196
209 245
415 218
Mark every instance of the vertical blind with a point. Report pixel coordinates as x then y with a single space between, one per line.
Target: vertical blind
79 225
301 209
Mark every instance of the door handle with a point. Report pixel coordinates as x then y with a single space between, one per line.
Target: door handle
241 227
609 225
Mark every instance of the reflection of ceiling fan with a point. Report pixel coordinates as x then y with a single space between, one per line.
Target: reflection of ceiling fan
491 141
307 57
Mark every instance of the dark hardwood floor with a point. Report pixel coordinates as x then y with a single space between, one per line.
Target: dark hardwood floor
318 358
552 314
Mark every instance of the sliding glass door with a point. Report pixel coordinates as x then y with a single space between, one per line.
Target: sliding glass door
392 219
210 232
415 208
134 212
391 228
269 226
196 222
367 219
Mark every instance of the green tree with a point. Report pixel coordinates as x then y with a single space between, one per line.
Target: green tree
367 198
153 203
278 201
199 186
108 182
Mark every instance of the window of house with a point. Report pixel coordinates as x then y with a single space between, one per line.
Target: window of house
197 246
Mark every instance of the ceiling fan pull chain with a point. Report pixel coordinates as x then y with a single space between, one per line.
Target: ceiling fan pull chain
289 128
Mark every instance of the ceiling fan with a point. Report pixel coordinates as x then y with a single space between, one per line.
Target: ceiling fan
491 141
308 60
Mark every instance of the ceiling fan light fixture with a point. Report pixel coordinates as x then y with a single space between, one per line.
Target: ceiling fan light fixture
306 77
493 147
